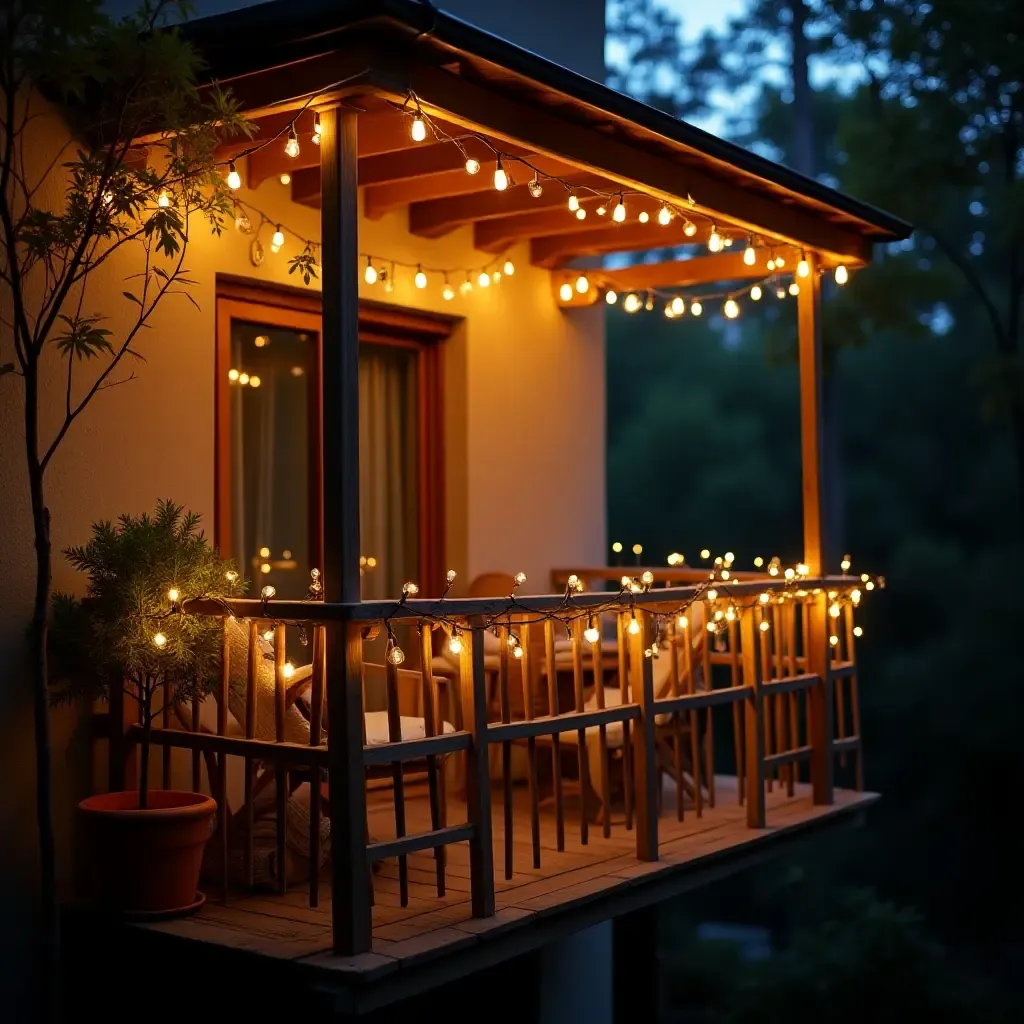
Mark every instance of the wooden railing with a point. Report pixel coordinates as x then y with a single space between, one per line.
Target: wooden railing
788 687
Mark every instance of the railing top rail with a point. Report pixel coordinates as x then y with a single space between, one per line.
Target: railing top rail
419 608
661 573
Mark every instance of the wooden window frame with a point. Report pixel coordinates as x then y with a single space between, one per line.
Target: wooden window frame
379 324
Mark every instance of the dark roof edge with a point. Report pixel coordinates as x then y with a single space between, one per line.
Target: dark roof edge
314 21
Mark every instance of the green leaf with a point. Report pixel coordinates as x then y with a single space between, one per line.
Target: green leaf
83 339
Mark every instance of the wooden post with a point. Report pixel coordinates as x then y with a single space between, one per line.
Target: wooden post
753 719
816 552
473 687
645 770
340 384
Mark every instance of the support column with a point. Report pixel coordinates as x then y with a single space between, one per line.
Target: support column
817 551
339 382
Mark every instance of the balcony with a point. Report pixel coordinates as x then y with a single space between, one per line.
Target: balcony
577 756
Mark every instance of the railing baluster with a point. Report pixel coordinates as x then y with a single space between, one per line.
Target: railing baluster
581 735
251 668
432 724
627 742
556 750
397 776
316 719
793 700
737 728
709 732
820 704
222 762
506 747
473 687
851 655
597 661
280 772
754 712
691 688
526 667
645 755
677 736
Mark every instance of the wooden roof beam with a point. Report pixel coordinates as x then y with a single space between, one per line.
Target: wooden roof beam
557 250
465 102
725 266
436 217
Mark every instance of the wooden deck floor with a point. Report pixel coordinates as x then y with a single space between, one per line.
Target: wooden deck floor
572 888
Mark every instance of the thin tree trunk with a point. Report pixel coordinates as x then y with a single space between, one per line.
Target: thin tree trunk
40 708
146 694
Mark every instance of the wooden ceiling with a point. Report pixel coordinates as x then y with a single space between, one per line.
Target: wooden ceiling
430 180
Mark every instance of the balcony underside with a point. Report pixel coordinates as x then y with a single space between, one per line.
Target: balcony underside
434 939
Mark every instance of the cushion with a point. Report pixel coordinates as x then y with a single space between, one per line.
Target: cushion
377 734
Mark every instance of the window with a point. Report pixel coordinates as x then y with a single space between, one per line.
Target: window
268 465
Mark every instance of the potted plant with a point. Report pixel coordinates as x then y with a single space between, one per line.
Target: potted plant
129 630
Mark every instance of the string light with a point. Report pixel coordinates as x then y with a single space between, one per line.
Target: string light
370 273
286 178
749 255
803 268
858 631
395 654
231 575
565 292
243 378
779 262
466 287
634 626
164 199
159 640
591 634
842 275
794 288
780 292
574 203
582 284
291 147
765 626
509 268
484 280
410 589
689 229
678 306
316 129
472 166
277 241
267 593
535 187
234 178
420 280
617 547
418 131
668 311
447 292
664 215
619 213
287 670
232 374
254 381
696 308
602 210
455 642
500 177
731 309
683 622
715 243
845 563
242 222
644 217
581 214
755 293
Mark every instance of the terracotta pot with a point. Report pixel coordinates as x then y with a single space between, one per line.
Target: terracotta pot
147 861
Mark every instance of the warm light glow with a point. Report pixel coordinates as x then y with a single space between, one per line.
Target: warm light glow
870 585
286 178
164 200
644 217
730 614
500 177
254 381
758 562
291 147
712 594
668 311
484 280
631 303
264 552
297 371
410 589
765 626
755 293
509 268
855 596
779 262
418 130
802 569
803 268
173 595
749 255
634 626
664 216
232 374
619 213
395 654
159 640
794 288
265 568
268 592
234 178
834 640
472 166
591 634
696 308
617 547
714 240
316 129
565 292
731 309
520 578
842 275
420 280
370 273
447 292
858 631
261 341
243 378
231 575
725 574
845 563
834 610
278 240
582 284
705 553
602 210
689 229
765 597
683 621
517 652
611 297
287 670
455 643
268 634
574 203
678 306
675 558
789 574
535 187
638 549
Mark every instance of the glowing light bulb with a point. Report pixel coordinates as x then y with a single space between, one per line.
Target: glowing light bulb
714 240
870 585
664 216
644 217
164 200
173 595
517 652
243 378
765 597
395 654
484 280
678 306
780 262
472 166
254 381
802 569
758 562
858 631
803 268
617 547
668 311
455 643
602 210
509 268
833 640
466 287
447 292
705 553
845 563
712 594
287 670
410 589
231 576
842 275
789 574
770 264
591 634
500 177
264 552
696 308
232 374
683 621
159 640
855 596
268 592
780 292
420 280
565 292
261 341
611 297
749 255
631 303
581 214
634 626
619 213
520 578
794 288
834 610
689 229
582 284
765 626
316 129
242 222
234 178
535 187
278 240
574 203
418 130
755 293
286 178
291 147
731 309
450 576
370 273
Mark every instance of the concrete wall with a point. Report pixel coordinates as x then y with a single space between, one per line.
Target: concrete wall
524 446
